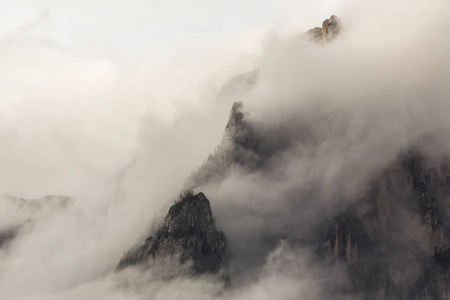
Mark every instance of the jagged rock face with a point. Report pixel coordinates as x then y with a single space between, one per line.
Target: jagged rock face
330 29
245 147
187 240
394 241
239 147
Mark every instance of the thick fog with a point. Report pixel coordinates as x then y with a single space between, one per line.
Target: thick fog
121 137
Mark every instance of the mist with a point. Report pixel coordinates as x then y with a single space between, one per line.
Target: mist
121 136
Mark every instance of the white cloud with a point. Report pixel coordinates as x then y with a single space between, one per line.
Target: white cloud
122 135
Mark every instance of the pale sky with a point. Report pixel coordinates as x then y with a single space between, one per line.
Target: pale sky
150 28
78 76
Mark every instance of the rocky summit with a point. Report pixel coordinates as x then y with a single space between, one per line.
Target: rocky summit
330 29
187 242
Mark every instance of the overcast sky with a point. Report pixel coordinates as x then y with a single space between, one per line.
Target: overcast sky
77 76
142 28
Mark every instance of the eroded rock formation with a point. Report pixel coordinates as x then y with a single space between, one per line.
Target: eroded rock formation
187 242
330 29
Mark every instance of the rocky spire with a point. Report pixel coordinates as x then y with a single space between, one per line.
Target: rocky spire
187 242
330 29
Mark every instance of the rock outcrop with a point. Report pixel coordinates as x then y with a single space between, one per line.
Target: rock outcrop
237 149
245 147
187 242
330 29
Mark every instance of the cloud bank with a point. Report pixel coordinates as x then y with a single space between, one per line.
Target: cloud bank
122 140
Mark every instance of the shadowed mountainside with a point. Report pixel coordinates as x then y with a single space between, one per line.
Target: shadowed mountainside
187 242
394 241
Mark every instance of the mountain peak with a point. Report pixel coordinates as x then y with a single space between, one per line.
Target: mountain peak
187 242
331 27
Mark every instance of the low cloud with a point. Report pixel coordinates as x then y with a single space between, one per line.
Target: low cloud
123 139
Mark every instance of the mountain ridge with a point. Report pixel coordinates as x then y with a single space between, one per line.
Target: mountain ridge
390 233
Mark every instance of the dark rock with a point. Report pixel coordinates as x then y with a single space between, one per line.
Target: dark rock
245 147
239 148
187 241
394 241
330 29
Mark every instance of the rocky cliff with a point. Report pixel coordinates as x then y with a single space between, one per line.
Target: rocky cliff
187 242
329 30
237 149
394 241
